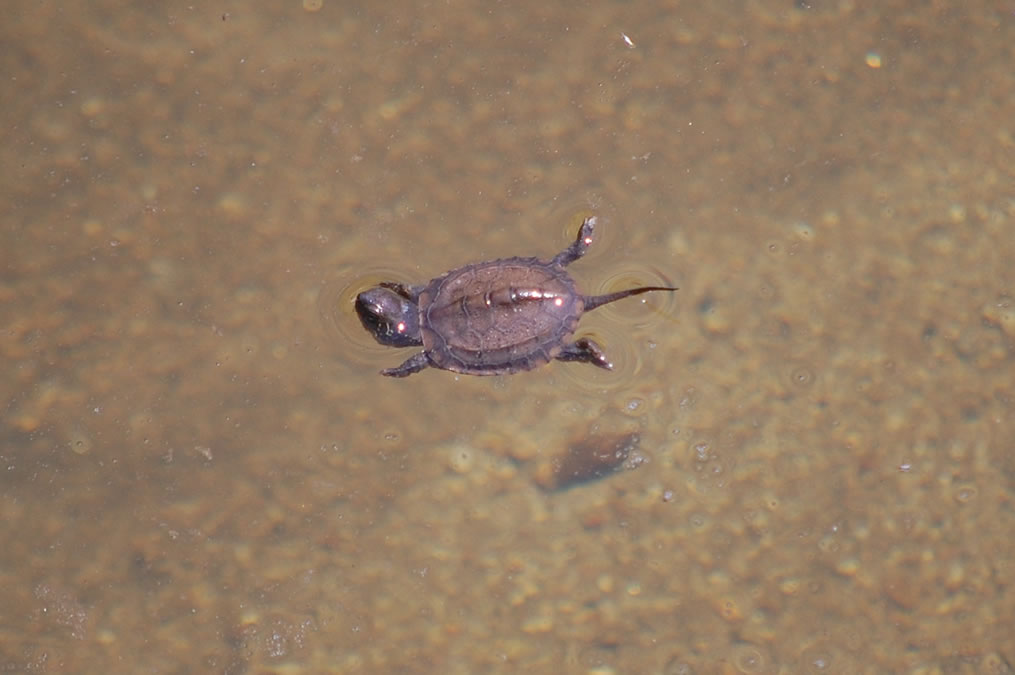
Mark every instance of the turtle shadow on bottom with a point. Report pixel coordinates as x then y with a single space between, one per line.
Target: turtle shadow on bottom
490 318
589 459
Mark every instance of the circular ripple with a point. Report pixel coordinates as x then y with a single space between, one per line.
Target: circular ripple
622 352
337 313
638 310
801 375
624 329
748 659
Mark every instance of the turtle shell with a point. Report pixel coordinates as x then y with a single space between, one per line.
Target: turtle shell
498 317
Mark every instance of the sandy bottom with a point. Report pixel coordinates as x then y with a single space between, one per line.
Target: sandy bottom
202 470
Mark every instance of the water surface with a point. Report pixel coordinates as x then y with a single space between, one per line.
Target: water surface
203 471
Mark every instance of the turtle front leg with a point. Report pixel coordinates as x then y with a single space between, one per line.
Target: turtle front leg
586 351
413 364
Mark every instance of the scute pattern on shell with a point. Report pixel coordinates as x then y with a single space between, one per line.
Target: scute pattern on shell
500 316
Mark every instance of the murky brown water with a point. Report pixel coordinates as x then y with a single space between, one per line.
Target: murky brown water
203 472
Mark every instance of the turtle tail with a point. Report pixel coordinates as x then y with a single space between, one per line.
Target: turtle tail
591 302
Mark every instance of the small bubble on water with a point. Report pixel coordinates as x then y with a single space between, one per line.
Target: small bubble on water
461 458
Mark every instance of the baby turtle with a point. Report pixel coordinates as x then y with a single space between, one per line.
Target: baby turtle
490 318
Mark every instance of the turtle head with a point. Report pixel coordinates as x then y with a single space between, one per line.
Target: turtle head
390 313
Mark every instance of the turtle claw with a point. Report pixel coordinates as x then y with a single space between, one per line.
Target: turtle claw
585 350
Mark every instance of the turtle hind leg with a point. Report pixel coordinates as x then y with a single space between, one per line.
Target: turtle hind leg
585 351
580 245
413 364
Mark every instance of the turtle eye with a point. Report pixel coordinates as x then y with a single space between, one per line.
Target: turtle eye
392 319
